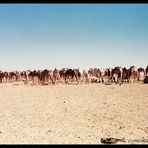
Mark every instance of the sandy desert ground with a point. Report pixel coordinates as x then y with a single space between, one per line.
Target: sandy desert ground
73 114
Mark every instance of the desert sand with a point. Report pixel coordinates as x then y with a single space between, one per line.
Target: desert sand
73 114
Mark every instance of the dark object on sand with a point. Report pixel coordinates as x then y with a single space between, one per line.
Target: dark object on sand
145 79
111 140
108 83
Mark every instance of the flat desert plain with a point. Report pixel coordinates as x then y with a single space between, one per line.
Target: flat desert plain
73 114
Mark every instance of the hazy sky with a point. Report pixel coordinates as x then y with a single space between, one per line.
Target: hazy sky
39 36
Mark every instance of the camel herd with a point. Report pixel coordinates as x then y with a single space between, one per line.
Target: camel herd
117 75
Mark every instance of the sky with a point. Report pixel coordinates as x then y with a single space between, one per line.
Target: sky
39 36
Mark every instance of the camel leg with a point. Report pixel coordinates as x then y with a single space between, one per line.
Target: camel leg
60 80
52 79
77 79
65 80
